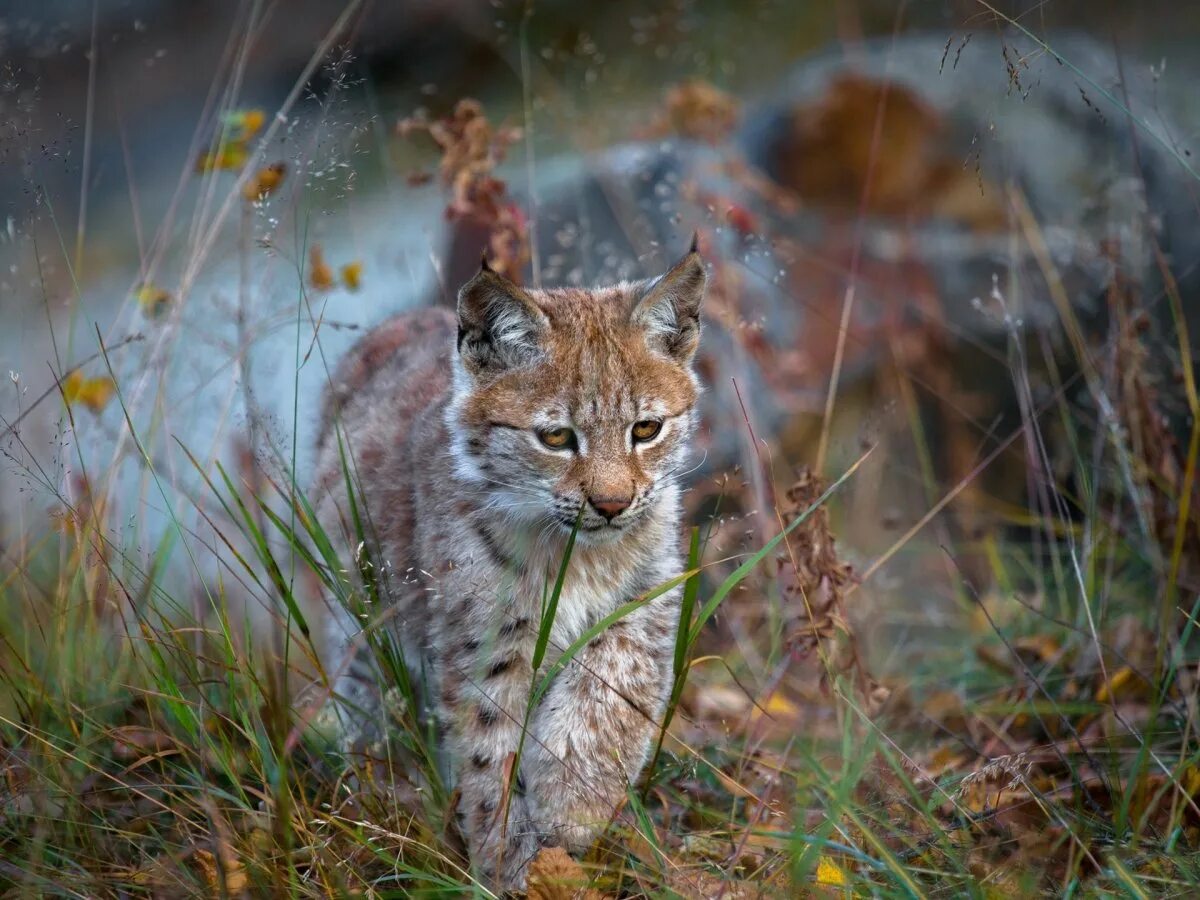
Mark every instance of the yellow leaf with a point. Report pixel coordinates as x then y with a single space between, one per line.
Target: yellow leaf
352 275
152 299
829 872
778 706
1191 781
94 393
1119 685
265 181
227 157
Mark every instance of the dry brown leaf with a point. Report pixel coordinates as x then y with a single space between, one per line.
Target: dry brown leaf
554 875
471 149
815 580
236 881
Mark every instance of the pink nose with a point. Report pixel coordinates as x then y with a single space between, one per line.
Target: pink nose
610 507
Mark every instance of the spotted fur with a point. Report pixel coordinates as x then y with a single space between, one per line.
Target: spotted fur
470 512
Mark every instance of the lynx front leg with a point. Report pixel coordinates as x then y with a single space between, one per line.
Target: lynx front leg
592 731
484 691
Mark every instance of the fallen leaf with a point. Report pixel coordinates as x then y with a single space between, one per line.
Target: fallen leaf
554 875
777 706
1043 647
1121 685
830 873
235 874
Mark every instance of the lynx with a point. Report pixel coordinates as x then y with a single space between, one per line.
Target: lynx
480 444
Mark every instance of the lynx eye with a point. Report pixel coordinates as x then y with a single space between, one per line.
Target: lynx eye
557 438
646 430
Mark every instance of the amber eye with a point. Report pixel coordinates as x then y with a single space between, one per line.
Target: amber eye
557 438
646 430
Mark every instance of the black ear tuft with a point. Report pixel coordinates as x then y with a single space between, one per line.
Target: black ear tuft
499 324
695 248
669 309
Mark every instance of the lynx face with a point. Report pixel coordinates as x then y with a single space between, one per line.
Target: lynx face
574 404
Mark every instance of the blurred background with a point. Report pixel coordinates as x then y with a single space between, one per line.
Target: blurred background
955 292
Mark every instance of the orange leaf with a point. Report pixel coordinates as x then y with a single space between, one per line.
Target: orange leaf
554 875
320 276
265 181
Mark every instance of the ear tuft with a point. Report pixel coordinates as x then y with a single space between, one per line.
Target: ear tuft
499 324
669 309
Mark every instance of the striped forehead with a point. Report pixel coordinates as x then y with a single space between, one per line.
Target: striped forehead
594 346
598 371
606 381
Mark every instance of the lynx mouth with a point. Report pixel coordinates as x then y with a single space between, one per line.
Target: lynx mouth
602 528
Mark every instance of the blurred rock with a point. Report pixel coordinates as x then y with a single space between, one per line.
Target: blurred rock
950 134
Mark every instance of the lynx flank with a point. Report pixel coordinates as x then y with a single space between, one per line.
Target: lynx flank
559 406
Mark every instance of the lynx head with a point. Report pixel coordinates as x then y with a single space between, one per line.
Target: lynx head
574 403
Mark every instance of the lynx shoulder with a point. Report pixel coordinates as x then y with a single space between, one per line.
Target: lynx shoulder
477 445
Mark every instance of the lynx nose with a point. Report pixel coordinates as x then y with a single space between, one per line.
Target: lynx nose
610 507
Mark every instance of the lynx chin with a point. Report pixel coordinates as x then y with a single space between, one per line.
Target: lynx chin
476 446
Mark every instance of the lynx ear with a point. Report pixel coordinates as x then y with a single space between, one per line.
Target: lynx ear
499 325
669 309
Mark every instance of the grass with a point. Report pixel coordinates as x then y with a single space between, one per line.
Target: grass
1032 730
